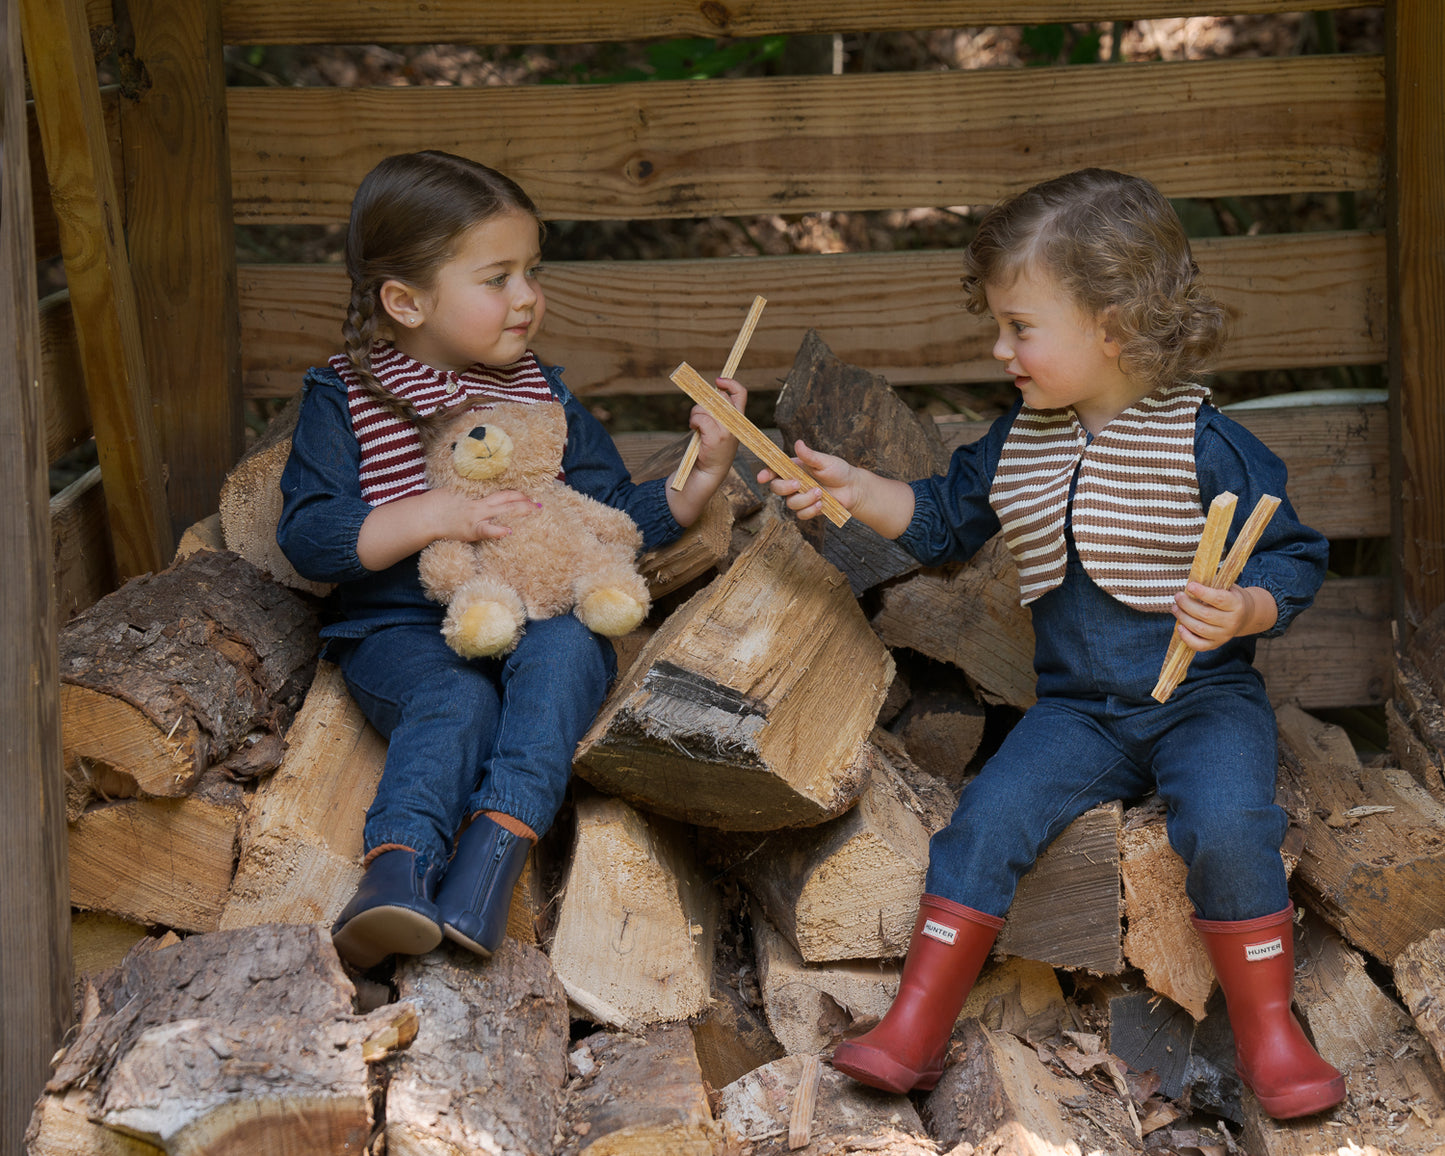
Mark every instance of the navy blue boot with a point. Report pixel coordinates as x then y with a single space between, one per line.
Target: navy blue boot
476 893
392 911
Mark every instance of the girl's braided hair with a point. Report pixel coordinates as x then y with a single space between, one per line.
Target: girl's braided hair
406 219
1117 248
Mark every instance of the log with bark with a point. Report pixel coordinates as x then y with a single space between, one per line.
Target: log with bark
636 1095
202 664
845 410
749 707
486 1070
229 1043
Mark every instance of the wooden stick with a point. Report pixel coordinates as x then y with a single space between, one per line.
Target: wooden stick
745 334
1176 662
805 1102
691 383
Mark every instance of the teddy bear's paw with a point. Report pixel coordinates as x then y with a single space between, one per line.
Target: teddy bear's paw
611 612
482 629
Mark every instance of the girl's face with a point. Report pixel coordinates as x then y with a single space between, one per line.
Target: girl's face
1058 355
484 305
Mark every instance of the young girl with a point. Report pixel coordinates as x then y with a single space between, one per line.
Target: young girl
443 255
1099 477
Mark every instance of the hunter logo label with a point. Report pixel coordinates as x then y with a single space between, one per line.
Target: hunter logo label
939 932
1258 951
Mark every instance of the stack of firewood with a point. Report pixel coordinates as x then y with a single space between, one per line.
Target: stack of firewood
727 894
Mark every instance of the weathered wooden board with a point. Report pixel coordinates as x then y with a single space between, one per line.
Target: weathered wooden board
622 326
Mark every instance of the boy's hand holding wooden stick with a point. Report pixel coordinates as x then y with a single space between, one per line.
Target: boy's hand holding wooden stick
1206 568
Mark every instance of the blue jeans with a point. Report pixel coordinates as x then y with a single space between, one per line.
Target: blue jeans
473 735
1210 752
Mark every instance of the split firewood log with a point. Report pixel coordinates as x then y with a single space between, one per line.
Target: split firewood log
810 1007
500 1027
202 664
847 888
637 921
633 1095
1067 911
250 502
747 710
845 410
731 1036
230 1043
1160 940
967 614
998 1096
99 941
757 1113
1374 851
942 728
166 862
702 548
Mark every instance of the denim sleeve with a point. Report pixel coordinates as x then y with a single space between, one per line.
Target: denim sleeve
321 504
592 465
1290 558
952 518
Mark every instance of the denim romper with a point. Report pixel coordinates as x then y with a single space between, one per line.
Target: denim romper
1096 734
463 735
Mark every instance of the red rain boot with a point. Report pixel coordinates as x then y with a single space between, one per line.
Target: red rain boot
1254 960
906 1050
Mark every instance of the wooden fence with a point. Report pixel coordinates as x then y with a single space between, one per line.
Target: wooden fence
162 333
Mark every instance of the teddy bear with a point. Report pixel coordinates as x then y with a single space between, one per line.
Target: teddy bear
573 553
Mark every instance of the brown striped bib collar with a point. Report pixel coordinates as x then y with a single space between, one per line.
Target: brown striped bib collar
1137 513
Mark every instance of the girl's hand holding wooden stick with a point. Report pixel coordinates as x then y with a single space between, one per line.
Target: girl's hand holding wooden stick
689 457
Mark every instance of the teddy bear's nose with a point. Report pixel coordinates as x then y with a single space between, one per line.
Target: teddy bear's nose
479 432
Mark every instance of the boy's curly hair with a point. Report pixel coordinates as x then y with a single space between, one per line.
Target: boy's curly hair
1116 246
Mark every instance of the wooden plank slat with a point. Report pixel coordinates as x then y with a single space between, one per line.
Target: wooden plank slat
795 144
83 562
1338 653
580 21
98 275
1415 39
1307 299
35 996
183 248
62 381
47 228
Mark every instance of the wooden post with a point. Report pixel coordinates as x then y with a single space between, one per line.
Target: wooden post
77 157
34 887
179 228
1414 42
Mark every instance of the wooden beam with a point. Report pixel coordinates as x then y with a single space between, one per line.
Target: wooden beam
98 273
34 905
1415 40
1306 299
183 247
897 140
580 21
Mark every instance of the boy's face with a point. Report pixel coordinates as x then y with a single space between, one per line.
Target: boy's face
1058 355
485 304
